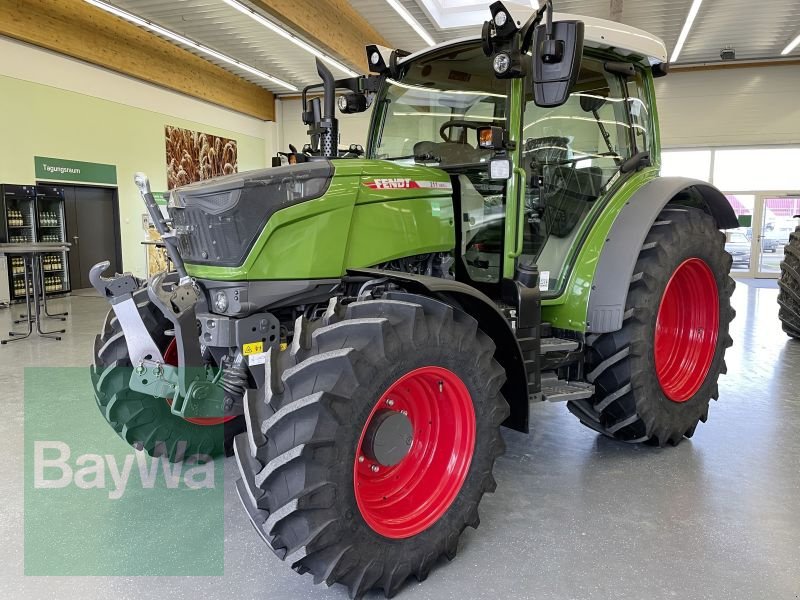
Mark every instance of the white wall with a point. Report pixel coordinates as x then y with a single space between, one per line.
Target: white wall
730 107
59 107
30 63
727 107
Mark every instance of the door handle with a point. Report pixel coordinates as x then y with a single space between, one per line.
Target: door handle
75 238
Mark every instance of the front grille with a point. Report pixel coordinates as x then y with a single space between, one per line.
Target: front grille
217 221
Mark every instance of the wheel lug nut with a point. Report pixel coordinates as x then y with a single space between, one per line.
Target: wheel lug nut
375 468
361 459
389 402
404 412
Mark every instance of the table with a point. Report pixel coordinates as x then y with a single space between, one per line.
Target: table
31 254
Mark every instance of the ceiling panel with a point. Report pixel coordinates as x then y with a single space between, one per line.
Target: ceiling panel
216 25
756 29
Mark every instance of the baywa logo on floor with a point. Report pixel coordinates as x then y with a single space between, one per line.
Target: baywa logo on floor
96 506
52 470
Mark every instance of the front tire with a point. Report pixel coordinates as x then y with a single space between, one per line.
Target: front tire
319 496
654 378
145 422
789 283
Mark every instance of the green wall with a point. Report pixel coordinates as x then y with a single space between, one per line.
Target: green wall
39 120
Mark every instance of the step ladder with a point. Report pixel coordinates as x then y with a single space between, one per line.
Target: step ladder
559 390
553 389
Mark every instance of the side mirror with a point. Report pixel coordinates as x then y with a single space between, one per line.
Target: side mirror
556 62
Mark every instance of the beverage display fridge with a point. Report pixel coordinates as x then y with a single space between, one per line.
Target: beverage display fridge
51 227
17 226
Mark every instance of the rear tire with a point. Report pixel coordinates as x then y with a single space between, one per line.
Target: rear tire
143 421
640 395
789 283
299 460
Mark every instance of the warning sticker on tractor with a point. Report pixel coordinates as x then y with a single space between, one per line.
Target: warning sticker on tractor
544 281
254 348
257 359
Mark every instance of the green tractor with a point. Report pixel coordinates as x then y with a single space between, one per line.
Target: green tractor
367 325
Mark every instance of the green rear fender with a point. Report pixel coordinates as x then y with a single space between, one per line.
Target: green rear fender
374 211
596 291
569 310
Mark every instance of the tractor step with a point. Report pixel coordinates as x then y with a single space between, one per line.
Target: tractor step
548 344
558 390
553 344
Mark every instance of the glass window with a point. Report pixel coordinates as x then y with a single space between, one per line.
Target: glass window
757 169
432 114
640 111
737 241
687 163
779 223
571 154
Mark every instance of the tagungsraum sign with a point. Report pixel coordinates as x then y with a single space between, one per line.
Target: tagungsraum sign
95 506
61 169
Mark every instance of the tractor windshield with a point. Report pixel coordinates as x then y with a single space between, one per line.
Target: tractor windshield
432 114
570 155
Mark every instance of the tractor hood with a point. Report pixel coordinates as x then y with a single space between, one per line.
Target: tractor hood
217 221
312 220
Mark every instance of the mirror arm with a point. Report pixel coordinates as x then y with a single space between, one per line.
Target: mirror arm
533 21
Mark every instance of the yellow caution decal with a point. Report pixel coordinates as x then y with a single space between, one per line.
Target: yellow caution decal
254 348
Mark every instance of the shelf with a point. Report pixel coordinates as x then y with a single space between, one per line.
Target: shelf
20 226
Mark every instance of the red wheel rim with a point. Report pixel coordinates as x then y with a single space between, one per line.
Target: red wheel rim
171 358
686 330
405 499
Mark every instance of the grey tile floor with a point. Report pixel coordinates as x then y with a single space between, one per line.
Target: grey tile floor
575 516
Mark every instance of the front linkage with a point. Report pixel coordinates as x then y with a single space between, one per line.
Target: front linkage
203 381
194 388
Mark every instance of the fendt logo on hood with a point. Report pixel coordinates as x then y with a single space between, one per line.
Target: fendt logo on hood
401 183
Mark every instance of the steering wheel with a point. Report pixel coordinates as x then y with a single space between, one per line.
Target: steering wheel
444 130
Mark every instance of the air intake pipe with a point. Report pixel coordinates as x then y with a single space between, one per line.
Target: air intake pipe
329 138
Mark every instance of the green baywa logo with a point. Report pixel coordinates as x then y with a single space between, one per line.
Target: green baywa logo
52 469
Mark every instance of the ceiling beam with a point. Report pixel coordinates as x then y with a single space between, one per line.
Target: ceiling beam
82 31
332 25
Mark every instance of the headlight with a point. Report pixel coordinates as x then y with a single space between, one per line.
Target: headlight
500 18
501 63
220 302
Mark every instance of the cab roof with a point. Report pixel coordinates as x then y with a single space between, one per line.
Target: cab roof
603 34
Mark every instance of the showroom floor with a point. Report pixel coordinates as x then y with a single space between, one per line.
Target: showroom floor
575 515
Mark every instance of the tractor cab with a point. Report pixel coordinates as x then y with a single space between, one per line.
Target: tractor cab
537 122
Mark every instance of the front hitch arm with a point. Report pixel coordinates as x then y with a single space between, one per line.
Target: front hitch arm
119 291
192 393
178 305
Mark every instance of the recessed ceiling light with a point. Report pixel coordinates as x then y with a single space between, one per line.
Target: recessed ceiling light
408 18
687 26
257 17
792 45
131 18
